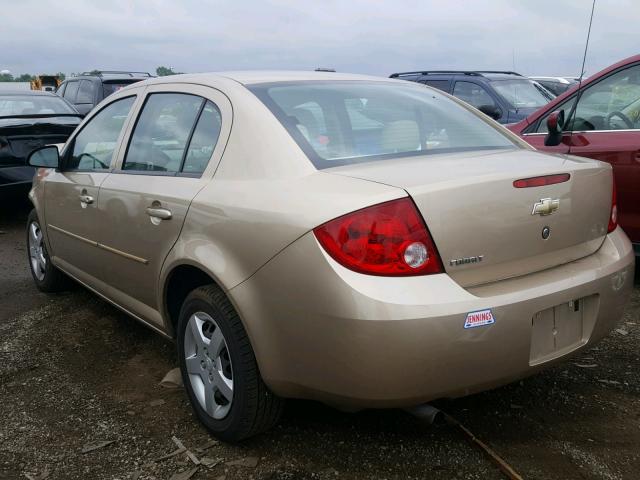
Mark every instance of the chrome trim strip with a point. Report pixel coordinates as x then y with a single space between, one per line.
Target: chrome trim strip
144 261
73 235
582 132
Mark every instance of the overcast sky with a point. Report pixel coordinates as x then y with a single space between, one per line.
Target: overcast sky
544 37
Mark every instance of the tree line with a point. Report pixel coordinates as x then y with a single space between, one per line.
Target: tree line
27 77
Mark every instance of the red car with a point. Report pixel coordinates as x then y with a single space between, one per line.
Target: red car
605 126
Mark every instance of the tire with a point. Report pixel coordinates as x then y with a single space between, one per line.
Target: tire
47 277
252 408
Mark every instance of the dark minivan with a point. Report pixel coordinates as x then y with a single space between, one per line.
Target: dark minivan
507 97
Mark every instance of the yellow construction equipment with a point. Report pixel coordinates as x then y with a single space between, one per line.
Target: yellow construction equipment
46 82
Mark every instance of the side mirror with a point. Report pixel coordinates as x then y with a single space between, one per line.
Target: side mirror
555 124
44 157
491 111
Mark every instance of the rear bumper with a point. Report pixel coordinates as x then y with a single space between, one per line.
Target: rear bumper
323 332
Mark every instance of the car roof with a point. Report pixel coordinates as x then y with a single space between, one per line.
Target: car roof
250 77
111 75
27 93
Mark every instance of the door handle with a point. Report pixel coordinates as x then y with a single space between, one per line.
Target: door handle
88 199
161 213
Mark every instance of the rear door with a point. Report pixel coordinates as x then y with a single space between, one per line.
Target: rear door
71 192
171 154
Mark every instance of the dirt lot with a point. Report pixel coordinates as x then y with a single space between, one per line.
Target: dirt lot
74 370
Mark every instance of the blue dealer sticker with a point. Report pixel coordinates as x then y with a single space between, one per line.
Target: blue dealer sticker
479 318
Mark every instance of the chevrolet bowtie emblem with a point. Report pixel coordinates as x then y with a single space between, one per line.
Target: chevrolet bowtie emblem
546 206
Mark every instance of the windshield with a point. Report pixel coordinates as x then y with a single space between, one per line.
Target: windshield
522 93
340 123
11 105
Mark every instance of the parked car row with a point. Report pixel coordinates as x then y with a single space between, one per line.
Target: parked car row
88 89
32 118
603 122
603 126
360 241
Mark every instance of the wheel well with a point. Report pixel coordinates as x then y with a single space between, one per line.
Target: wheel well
183 280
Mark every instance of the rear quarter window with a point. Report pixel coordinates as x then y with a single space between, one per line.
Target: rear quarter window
109 88
439 84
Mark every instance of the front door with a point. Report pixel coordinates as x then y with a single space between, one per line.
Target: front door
72 192
144 202
622 151
607 128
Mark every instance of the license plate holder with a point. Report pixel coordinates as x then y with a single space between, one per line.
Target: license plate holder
558 330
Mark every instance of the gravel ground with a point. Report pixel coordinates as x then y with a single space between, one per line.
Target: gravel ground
74 371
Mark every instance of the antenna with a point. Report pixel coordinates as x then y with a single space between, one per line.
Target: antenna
515 86
584 59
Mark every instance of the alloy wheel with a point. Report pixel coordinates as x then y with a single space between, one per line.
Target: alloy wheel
208 365
37 251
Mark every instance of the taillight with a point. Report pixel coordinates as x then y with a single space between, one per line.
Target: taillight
613 218
388 239
541 181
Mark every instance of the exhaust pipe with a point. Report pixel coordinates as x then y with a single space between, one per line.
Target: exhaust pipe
429 414
426 413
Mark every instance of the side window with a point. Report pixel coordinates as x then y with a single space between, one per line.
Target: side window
85 92
70 91
93 147
610 104
204 139
162 131
473 94
60 90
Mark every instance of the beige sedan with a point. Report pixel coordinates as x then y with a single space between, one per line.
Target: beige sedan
360 241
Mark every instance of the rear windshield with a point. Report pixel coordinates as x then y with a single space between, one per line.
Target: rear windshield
340 123
33 105
522 93
113 87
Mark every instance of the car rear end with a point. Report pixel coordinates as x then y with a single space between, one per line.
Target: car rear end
490 262
29 121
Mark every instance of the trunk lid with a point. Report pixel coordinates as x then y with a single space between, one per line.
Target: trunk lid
483 226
